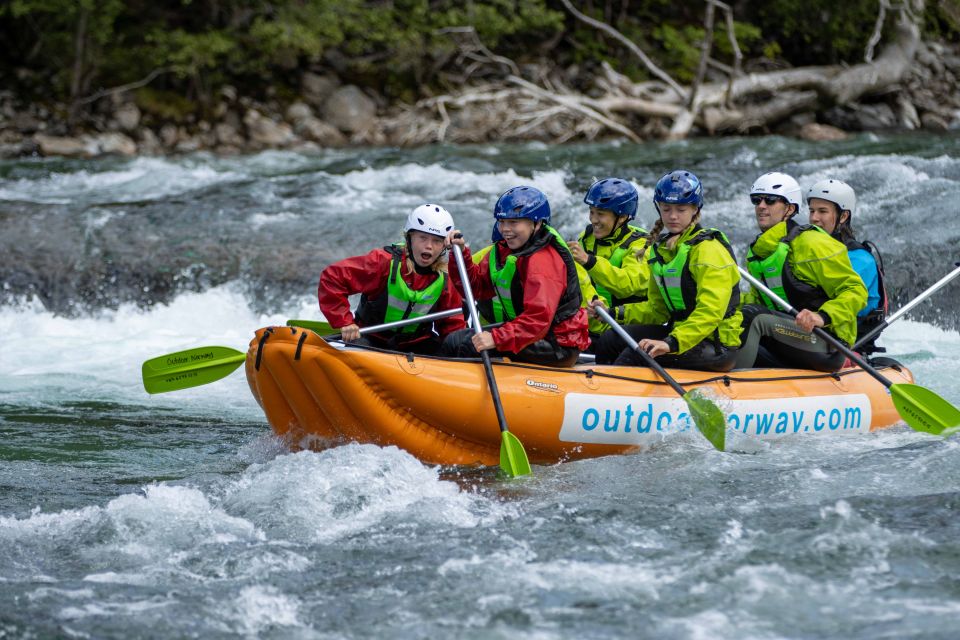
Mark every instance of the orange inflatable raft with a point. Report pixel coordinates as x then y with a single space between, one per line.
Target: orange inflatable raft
319 395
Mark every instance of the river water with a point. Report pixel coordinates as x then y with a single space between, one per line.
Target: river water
179 515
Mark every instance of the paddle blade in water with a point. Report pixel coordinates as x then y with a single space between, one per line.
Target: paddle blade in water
190 368
316 326
708 418
513 458
924 410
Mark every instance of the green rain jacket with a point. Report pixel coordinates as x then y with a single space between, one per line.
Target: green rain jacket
715 272
625 281
820 261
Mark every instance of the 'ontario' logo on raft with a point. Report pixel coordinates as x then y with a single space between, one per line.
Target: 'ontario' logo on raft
543 386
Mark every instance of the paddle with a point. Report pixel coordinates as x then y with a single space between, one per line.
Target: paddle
513 457
707 416
919 407
203 365
323 327
936 286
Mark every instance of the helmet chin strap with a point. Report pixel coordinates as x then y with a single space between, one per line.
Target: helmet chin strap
621 222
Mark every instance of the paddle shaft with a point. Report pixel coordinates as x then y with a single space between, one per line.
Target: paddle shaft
936 286
650 360
820 333
396 324
477 329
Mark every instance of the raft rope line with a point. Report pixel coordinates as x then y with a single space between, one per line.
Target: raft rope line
726 379
303 337
263 339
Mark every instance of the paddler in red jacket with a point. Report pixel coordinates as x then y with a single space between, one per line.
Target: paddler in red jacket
528 282
396 282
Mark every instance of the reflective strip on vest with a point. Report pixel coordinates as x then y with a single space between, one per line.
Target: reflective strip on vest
615 259
404 302
770 271
502 280
669 278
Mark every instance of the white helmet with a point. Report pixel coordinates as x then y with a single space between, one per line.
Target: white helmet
430 218
779 184
835 191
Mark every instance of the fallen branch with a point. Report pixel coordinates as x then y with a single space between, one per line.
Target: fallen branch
124 87
654 69
576 105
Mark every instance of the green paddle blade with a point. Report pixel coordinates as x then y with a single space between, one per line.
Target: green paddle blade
190 368
708 418
316 326
924 410
513 459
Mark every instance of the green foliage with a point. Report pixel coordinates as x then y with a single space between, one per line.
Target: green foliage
524 23
818 31
396 46
747 36
942 20
191 53
682 47
165 105
294 32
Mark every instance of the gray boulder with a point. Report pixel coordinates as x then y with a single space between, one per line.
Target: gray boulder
318 88
127 116
63 146
318 131
114 143
350 110
821 132
264 132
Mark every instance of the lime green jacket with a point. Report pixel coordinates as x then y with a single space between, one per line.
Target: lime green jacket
715 272
626 281
819 260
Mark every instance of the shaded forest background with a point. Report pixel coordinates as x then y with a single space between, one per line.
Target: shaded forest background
70 65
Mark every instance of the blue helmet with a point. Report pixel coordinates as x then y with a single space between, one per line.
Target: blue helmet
614 195
678 187
522 202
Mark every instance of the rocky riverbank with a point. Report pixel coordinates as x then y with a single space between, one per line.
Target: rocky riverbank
330 112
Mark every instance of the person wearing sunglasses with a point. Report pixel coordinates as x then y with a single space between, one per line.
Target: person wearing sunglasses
805 266
690 319
831 204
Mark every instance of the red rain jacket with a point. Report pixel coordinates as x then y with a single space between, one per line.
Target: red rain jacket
368 274
543 277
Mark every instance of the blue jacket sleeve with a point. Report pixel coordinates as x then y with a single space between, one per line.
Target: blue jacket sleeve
866 267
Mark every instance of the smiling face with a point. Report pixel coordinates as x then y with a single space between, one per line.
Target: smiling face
425 248
824 214
516 231
676 217
604 222
770 210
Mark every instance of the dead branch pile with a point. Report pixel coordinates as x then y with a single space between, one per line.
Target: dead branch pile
510 105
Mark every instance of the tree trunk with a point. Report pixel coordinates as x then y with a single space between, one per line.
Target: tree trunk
79 66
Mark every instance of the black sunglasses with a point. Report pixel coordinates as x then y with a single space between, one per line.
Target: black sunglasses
770 200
